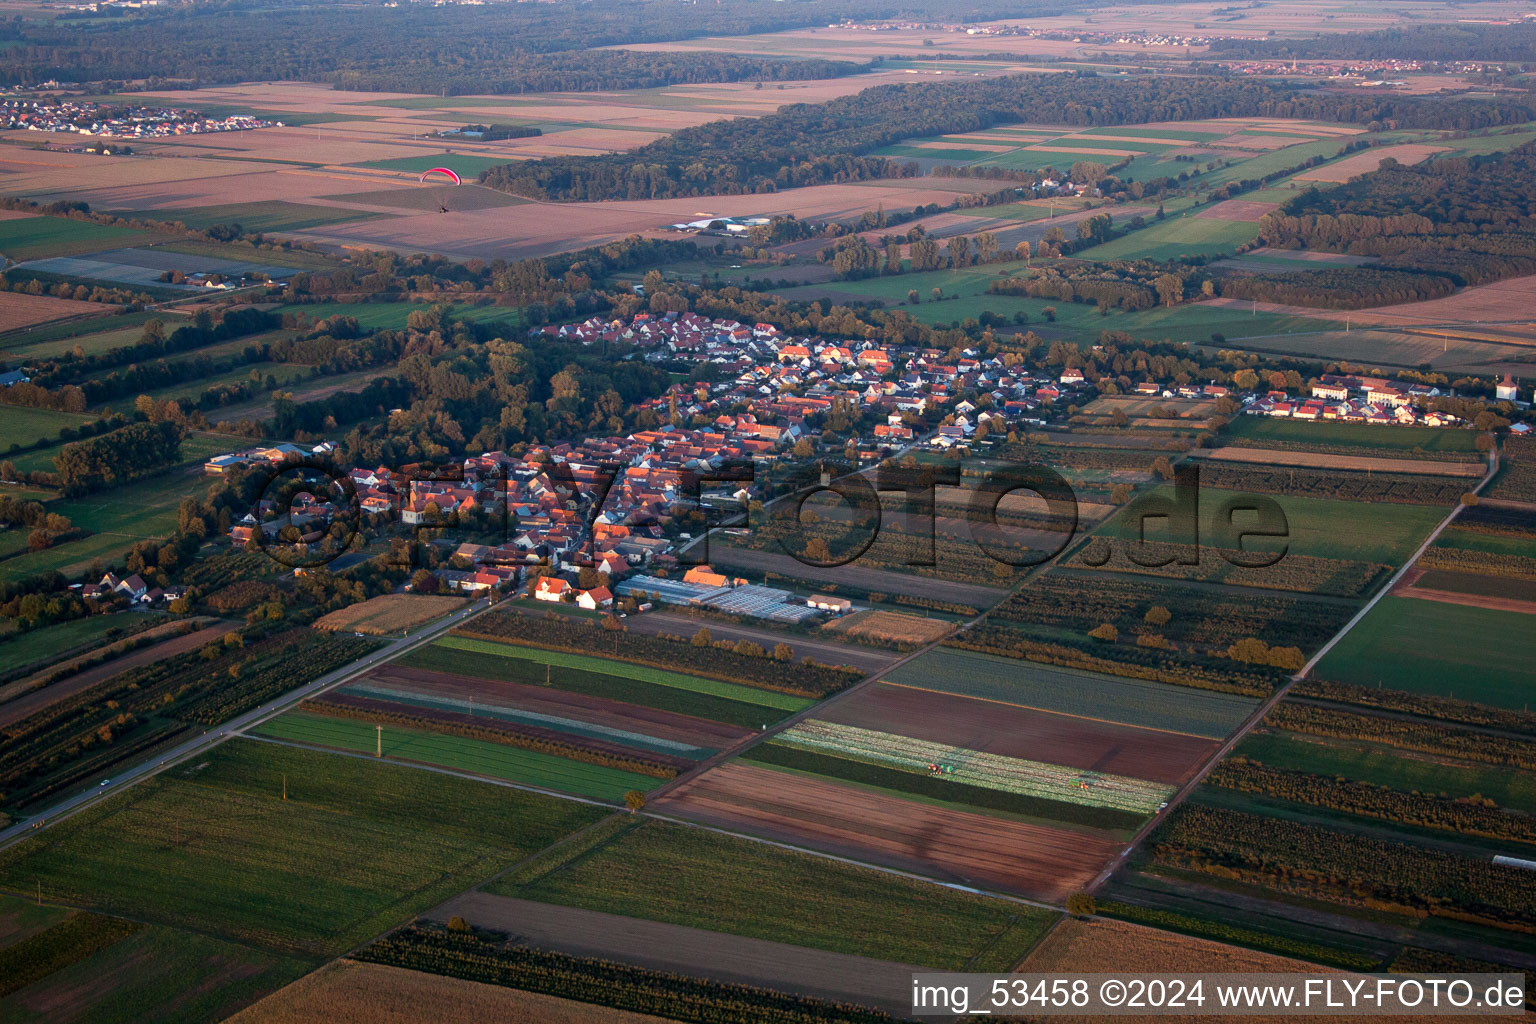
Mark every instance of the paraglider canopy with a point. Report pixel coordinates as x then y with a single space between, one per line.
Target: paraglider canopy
440 170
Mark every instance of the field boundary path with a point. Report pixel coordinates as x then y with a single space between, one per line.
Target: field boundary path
128 776
1275 698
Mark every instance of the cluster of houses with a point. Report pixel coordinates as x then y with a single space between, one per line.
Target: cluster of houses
118 121
1355 400
131 588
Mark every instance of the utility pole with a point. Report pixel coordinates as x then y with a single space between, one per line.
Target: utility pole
379 750
285 785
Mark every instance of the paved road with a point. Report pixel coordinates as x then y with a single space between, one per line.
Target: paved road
127 776
1264 709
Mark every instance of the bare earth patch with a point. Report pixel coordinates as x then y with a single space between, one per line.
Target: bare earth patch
1369 160
388 613
892 627
345 992
18 309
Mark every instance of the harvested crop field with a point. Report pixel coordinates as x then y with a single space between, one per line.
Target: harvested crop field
1021 732
1104 945
1203 714
536 229
692 952
18 309
958 846
1368 160
347 992
1474 590
388 613
1237 209
892 627
1362 463
453 690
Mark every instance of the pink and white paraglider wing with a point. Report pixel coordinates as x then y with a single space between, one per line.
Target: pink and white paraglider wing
441 170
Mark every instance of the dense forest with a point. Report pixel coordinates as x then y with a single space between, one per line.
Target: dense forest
812 144
592 70
421 47
1434 227
1420 42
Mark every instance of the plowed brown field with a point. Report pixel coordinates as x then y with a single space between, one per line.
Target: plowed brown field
973 849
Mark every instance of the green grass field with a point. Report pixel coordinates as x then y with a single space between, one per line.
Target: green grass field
479 757
467 167
24 426
643 673
702 879
1319 527
265 215
38 238
1495 544
1073 692
356 848
966 296
1478 654
38 645
1386 439
55 338
1382 765
1176 236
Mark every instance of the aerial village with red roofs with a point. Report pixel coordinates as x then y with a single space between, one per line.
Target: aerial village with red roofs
616 506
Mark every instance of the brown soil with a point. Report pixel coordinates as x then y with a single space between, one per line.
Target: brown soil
537 699
959 846
1019 732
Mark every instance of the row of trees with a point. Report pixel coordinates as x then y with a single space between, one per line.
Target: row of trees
808 144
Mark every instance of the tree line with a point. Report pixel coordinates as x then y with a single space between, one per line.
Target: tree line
812 144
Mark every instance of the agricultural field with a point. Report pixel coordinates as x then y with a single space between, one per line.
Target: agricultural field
39 238
573 723
1316 527
946 775
24 651
295 851
389 614
979 850
889 627
349 992
1176 237
23 426
1095 697
1381 764
127 972
459 753
22 312
666 872
1380 441
1434 647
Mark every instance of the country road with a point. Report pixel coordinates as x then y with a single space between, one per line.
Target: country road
125 777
